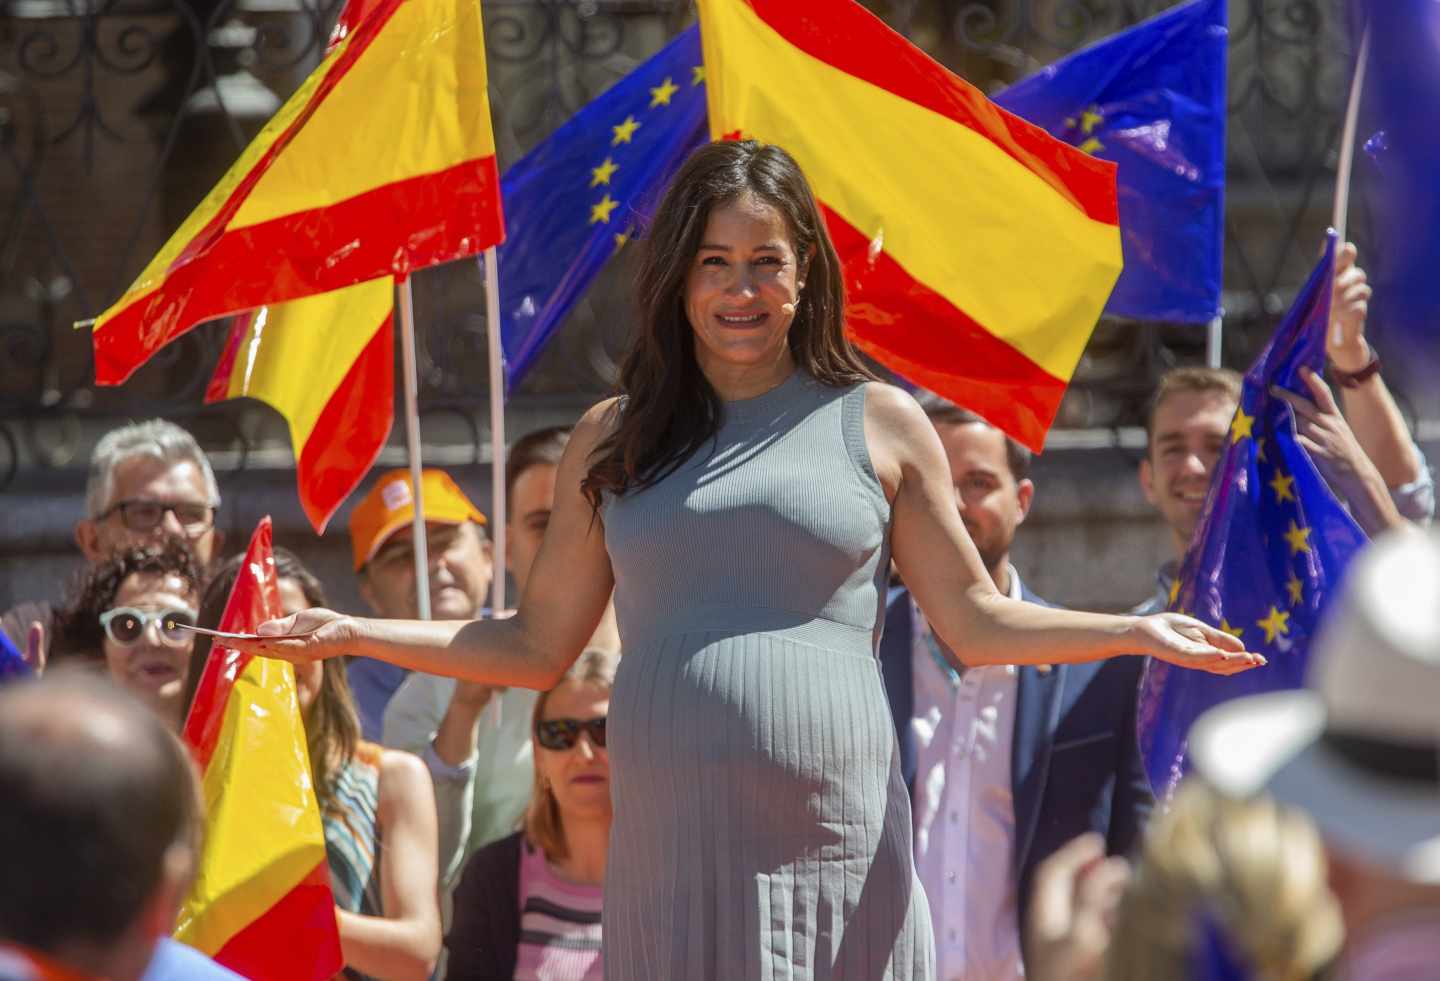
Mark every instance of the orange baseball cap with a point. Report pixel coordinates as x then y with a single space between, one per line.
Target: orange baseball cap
390 506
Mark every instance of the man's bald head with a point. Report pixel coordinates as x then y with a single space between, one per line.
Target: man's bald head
100 813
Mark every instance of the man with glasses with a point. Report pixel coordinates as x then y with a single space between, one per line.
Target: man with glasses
149 482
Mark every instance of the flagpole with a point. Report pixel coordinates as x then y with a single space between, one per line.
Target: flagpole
1347 147
497 427
412 443
1212 343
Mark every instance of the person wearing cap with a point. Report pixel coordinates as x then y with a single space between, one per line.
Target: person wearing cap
382 535
382 539
1358 750
462 724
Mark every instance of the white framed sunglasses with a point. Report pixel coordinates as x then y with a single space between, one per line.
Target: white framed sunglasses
125 625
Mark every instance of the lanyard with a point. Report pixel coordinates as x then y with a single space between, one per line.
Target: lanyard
932 643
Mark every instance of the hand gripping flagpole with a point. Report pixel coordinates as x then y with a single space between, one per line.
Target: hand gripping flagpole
1347 148
497 427
412 443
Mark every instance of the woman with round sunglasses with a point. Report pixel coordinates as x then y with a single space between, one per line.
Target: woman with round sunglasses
377 805
528 906
128 614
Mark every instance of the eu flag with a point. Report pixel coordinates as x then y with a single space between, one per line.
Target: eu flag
573 201
1272 544
12 662
1400 122
1152 99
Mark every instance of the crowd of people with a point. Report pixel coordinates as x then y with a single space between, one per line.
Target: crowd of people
844 759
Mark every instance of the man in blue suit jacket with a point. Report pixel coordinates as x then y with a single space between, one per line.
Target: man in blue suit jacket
1004 764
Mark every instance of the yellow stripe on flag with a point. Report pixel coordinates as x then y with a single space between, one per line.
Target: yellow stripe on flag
153 276
416 97
953 209
382 163
295 355
263 831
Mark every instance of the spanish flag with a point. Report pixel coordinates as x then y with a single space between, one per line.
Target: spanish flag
327 364
381 163
261 904
978 250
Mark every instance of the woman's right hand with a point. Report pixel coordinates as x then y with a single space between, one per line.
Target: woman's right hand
1189 643
304 637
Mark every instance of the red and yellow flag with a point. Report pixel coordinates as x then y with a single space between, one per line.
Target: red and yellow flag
381 163
978 251
261 904
327 364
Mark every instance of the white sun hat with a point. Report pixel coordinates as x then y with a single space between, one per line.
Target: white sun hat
1359 748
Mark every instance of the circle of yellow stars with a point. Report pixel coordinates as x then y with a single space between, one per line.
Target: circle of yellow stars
622 134
1276 623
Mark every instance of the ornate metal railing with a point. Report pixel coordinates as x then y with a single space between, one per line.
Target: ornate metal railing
117 115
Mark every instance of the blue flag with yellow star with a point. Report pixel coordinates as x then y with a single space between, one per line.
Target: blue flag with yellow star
573 201
1271 546
1152 99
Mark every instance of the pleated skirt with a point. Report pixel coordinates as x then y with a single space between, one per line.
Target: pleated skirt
762 828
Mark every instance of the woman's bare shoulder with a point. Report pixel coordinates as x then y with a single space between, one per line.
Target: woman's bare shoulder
893 415
599 422
402 774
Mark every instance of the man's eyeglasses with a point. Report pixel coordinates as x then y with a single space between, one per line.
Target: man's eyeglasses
125 625
195 519
562 734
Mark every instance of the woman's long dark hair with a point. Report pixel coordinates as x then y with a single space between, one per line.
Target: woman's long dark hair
670 408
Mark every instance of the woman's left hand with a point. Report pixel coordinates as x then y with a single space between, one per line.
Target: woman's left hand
1187 643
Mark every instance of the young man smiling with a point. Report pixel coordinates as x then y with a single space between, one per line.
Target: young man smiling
1366 454
1004 764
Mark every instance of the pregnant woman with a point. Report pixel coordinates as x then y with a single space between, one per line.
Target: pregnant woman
744 496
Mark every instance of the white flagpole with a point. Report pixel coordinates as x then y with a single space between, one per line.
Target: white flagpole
1212 343
1347 145
412 443
497 427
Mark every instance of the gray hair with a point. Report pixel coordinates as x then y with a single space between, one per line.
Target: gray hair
155 438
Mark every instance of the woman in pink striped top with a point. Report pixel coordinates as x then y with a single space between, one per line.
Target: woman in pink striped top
528 906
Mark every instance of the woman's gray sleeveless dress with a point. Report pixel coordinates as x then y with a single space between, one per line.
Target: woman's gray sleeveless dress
762 829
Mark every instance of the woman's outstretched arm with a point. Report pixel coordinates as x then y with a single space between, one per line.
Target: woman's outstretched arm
943 570
563 602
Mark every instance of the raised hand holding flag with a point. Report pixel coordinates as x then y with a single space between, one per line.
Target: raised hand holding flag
1272 543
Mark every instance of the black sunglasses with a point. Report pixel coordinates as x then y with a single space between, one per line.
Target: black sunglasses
562 734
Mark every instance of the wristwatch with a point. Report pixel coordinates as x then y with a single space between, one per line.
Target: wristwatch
1353 379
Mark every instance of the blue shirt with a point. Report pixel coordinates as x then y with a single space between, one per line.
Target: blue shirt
174 961
372 683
